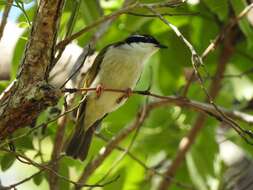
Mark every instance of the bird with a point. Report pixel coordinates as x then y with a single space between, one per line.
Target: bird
118 66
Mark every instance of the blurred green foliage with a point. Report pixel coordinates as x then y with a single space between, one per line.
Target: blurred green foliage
162 131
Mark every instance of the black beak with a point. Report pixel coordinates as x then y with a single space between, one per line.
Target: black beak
161 46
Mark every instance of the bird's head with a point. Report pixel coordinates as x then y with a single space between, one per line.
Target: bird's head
141 44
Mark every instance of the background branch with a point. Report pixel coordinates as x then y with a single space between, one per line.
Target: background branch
218 39
5 16
215 86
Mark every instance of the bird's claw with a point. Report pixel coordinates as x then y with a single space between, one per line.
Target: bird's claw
128 93
99 90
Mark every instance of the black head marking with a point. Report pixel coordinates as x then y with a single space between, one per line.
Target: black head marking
143 39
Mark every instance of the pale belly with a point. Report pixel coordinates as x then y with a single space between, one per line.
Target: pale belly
116 76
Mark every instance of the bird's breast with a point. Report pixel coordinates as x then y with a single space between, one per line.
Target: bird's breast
120 72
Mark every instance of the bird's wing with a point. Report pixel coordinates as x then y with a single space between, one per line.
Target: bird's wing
93 71
89 77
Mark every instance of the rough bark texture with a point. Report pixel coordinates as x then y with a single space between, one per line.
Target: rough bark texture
30 93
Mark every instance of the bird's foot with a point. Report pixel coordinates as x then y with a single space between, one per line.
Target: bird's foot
99 90
128 93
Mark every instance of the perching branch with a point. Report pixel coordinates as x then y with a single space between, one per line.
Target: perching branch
205 108
200 107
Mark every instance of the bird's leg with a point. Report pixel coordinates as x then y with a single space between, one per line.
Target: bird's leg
99 90
127 94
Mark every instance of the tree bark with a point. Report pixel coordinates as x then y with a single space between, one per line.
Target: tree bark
30 93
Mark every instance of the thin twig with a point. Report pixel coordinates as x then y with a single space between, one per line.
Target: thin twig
5 16
13 186
226 29
20 5
163 14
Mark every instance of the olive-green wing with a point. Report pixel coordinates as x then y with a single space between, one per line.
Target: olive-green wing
93 71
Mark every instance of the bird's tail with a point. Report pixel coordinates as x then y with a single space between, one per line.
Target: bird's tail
79 143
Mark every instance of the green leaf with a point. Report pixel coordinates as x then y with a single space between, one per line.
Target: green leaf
161 125
172 61
27 14
134 175
90 11
202 159
3 85
196 176
24 143
38 179
134 23
220 8
64 171
7 161
23 25
119 184
198 28
118 119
